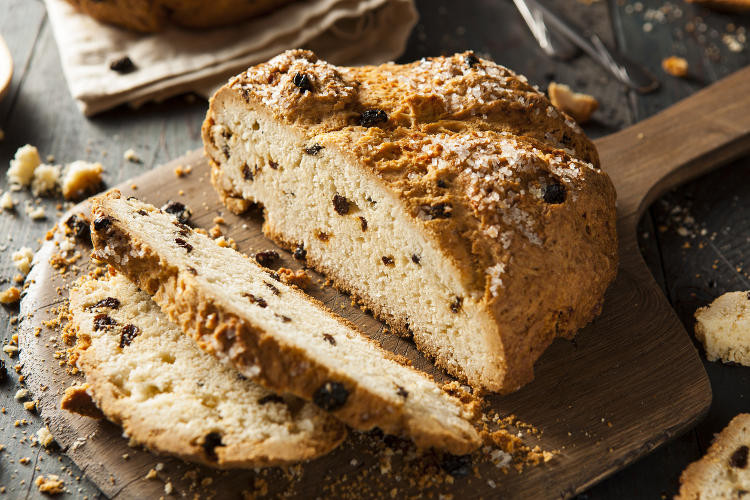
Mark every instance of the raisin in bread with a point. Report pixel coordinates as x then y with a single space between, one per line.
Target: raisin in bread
723 473
145 374
724 328
156 15
274 333
449 195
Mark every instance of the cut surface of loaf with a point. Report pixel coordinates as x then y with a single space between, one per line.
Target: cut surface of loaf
274 333
449 195
723 472
724 328
145 374
156 15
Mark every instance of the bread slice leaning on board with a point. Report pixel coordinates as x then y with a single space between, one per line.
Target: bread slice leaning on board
273 333
448 195
168 395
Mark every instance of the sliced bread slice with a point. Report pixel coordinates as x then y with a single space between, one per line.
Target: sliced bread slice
272 332
149 377
448 195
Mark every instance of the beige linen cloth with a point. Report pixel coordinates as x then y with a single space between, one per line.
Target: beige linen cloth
178 61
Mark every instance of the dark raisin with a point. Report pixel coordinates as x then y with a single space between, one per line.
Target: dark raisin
456 304
566 139
179 210
738 460
273 164
329 338
323 236
102 322
331 396
109 302
402 392
226 133
226 151
456 465
210 442
192 270
372 117
363 223
439 211
3 372
554 193
184 244
471 60
129 332
284 319
122 65
387 260
80 228
314 149
247 174
340 204
184 229
270 398
102 223
266 257
302 82
415 258
300 253
255 300
142 212
441 184
273 288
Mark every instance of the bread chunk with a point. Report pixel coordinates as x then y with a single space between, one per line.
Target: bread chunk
723 473
723 327
272 332
145 374
156 15
448 195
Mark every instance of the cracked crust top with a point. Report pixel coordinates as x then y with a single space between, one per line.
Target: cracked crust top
506 185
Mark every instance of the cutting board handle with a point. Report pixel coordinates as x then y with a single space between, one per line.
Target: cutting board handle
704 131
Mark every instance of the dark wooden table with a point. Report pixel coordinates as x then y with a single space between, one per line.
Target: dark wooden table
694 239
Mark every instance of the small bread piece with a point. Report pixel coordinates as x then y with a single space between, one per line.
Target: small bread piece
579 106
272 332
145 374
447 195
156 15
724 328
723 472
675 66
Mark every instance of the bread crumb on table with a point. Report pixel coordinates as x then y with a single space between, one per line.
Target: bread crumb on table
22 166
46 179
81 178
675 66
22 259
131 156
10 296
50 485
45 437
7 202
579 106
723 327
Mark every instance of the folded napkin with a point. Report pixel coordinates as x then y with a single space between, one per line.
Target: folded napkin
176 61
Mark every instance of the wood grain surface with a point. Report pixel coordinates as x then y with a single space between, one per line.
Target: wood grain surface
633 376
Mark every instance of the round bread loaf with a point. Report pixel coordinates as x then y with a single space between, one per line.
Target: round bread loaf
155 15
448 194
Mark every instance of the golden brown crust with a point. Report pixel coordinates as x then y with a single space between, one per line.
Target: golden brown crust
155 15
507 186
280 366
77 399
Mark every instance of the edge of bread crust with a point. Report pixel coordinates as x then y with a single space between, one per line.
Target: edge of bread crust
282 368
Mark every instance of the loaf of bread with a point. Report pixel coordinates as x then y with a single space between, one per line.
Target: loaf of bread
723 472
723 327
448 195
145 374
155 15
272 332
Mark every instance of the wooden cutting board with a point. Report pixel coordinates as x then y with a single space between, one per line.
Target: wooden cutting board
631 381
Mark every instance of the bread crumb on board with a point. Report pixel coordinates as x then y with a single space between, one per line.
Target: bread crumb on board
579 106
675 66
80 179
723 327
50 485
78 400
